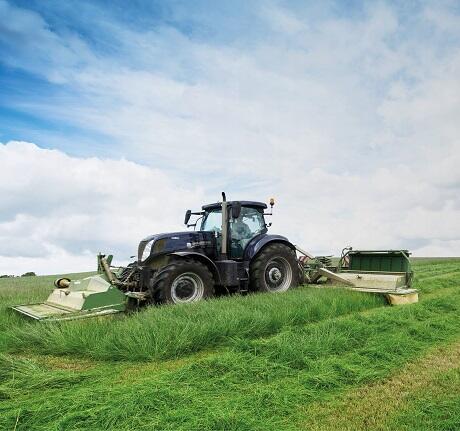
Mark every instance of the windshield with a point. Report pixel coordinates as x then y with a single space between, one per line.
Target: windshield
212 221
143 251
248 224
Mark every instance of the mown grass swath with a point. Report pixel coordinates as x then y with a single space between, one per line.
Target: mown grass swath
265 378
171 331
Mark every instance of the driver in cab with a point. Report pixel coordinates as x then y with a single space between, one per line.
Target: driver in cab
240 230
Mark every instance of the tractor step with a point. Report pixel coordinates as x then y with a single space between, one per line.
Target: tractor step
140 296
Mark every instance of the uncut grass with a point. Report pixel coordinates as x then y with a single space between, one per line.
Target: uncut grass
259 384
436 272
173 331
436 285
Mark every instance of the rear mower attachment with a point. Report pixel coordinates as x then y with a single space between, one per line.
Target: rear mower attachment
385 272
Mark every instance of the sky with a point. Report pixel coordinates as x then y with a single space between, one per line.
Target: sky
116 117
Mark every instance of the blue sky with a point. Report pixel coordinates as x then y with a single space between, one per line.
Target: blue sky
348 112
100 27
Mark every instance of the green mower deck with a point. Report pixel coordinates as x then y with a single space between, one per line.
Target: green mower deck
88 297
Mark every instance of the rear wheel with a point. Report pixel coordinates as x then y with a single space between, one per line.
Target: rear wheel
274 269
182 282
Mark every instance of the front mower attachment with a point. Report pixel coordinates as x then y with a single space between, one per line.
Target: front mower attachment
88 297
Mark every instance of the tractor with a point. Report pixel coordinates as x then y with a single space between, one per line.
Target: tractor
230 252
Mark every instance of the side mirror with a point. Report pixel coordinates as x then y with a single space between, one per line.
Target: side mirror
236 209
188 213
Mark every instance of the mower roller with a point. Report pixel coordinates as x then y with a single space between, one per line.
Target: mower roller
231 252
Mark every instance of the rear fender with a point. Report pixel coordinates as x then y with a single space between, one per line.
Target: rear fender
259 242
201 258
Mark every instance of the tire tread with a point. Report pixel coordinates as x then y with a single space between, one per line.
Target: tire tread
256 275
160 285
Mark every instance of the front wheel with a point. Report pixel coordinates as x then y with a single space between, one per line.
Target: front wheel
274 269
182 282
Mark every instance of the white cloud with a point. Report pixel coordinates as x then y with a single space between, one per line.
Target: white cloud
328 93
57 262
57 206
399 207
59 211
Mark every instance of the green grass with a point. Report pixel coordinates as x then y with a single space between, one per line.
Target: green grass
173 331
437 409
243 363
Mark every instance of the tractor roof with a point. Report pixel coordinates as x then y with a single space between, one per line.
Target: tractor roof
250 204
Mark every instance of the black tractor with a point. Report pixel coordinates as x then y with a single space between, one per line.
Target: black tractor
230 252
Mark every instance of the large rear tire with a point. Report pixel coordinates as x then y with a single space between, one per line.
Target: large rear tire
182 281
274 269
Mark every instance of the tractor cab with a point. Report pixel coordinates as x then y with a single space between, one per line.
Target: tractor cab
245 221
239 251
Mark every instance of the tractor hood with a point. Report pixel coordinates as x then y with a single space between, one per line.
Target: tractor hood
165 243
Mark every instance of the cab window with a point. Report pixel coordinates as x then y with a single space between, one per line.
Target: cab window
249 224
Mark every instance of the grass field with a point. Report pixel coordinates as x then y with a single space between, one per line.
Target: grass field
308 359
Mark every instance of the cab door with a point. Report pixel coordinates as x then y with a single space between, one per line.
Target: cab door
250 223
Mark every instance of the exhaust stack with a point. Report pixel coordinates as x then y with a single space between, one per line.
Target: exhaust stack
224 227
